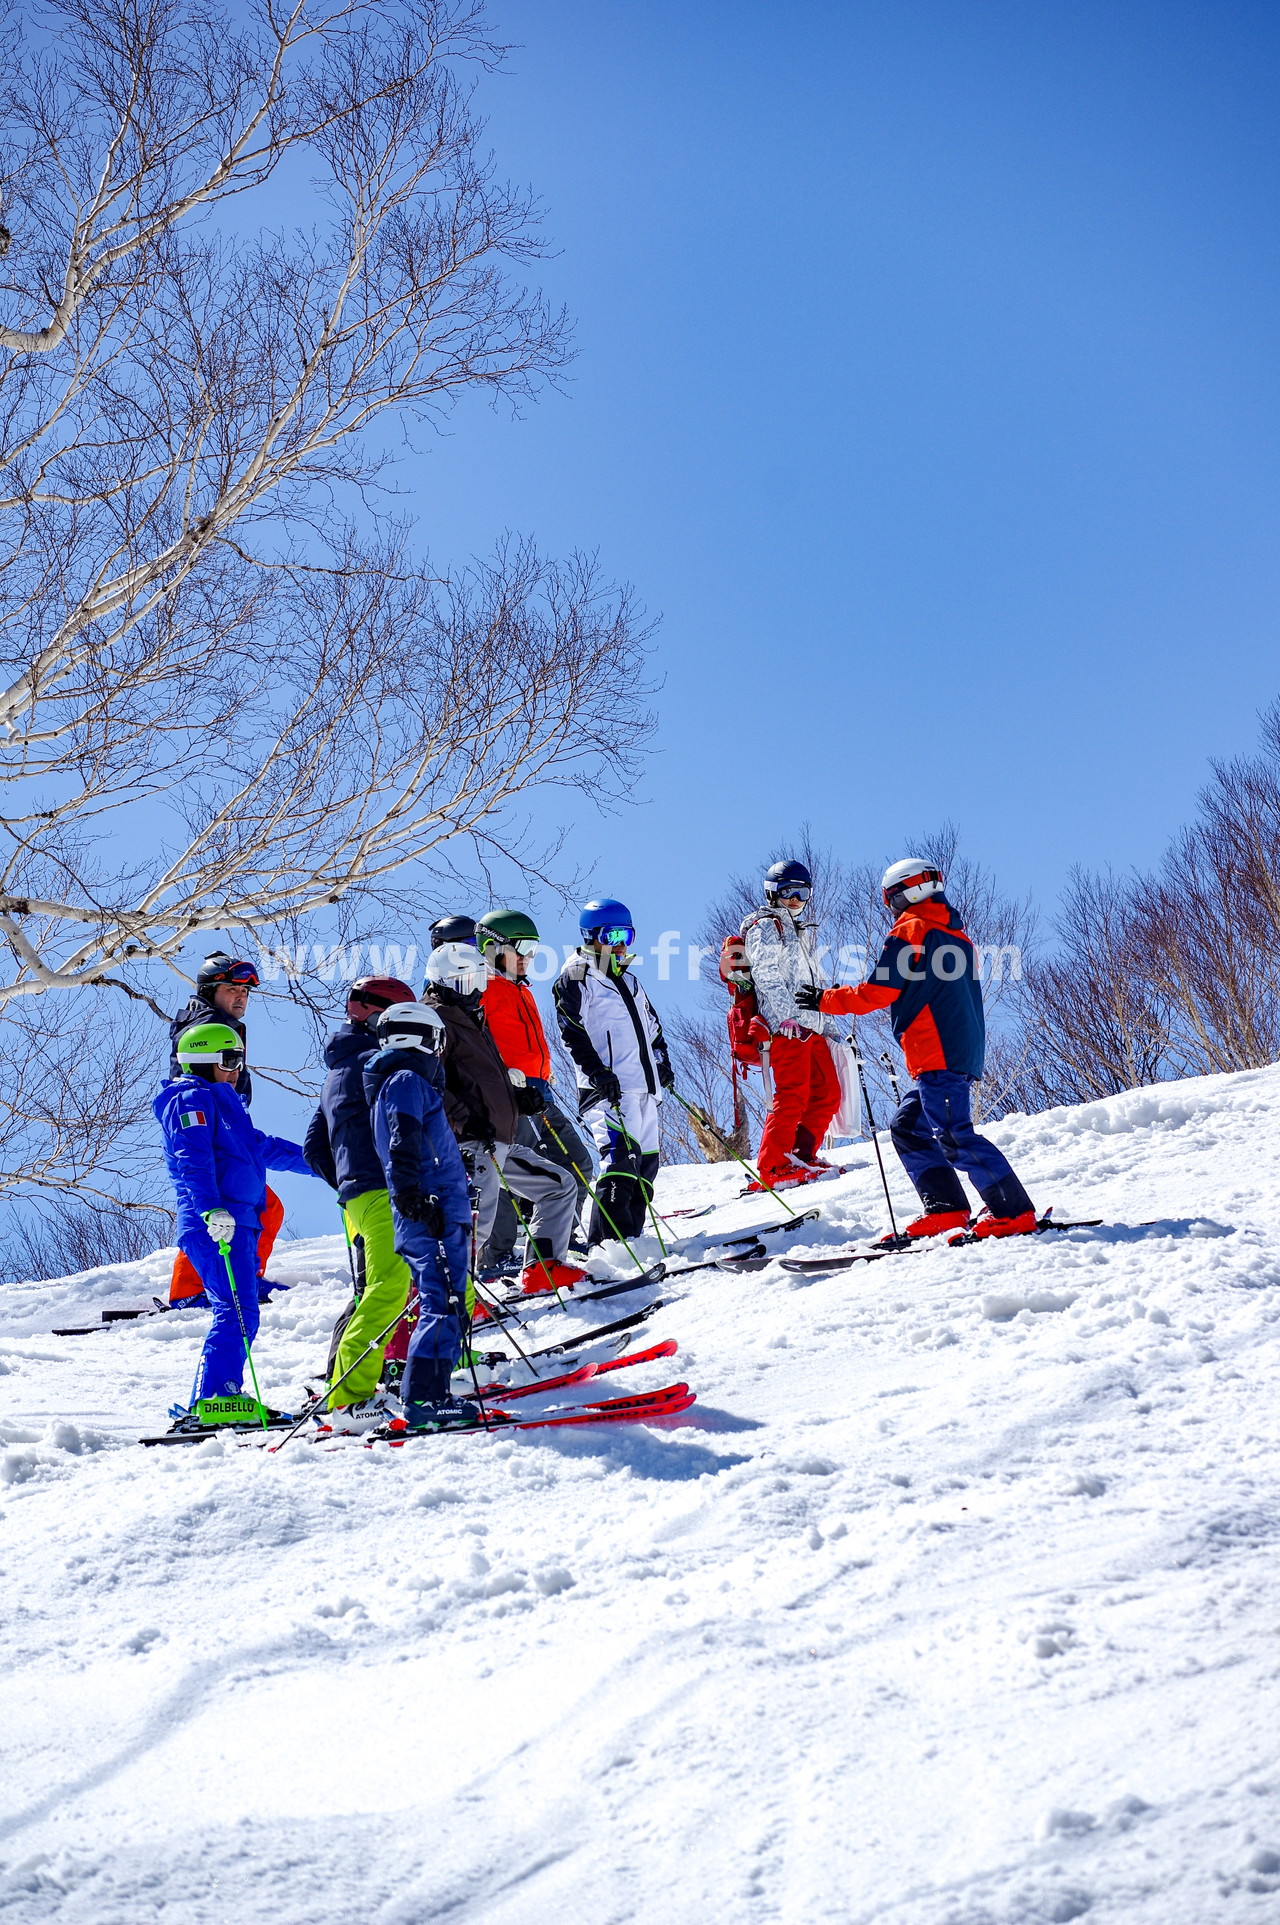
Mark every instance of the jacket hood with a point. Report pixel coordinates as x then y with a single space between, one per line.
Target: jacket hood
348 1044
935 912
385 1062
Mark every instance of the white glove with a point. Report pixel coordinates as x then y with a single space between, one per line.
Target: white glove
220 1224
517 1078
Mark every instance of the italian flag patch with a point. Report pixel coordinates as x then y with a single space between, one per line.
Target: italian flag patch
193 1119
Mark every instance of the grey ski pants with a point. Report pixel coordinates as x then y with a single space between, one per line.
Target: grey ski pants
547 1196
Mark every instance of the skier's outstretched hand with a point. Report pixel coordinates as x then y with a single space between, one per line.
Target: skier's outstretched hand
220 1224
808 996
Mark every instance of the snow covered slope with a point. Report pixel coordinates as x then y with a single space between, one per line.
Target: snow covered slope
955 1600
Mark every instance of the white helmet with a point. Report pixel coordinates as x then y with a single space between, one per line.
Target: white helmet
409 1026
457 966
911 880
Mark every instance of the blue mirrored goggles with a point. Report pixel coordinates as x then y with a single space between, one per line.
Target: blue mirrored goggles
621 938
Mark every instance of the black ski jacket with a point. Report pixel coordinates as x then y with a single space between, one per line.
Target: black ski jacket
199 1011
339 1142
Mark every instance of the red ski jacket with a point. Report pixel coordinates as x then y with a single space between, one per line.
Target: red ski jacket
516 1026
927 978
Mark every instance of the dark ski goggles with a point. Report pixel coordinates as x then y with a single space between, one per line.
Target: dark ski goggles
794 892
241 972
617 938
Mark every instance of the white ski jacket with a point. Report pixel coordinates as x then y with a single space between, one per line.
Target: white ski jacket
608 1023
780 959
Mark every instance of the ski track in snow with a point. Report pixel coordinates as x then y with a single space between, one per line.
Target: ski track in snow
953 1601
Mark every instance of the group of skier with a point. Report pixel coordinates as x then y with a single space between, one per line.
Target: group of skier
927 978
439 1129
435 1111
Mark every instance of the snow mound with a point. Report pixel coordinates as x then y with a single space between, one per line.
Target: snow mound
950 1602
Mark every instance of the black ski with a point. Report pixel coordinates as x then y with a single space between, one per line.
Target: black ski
616 1287
1047 1222
892 1249
813 1266
156 1308
282 1422
601 1330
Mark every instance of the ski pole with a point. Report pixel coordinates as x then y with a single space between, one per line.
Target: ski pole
753 1174
866 1099
224 1251
887 1060
502 1326
351 1254
595 1198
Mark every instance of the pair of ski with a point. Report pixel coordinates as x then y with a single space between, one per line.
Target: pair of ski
899 1246
645 1406
493 1392
750 1255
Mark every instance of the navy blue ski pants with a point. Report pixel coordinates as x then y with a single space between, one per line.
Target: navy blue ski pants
933 1133
220 1372
436 1343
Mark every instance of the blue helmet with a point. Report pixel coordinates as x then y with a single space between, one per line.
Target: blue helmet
605 916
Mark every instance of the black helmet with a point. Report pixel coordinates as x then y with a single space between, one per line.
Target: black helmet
787 879
221 968
453 929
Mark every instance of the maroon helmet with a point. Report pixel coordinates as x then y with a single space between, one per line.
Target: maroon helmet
372 993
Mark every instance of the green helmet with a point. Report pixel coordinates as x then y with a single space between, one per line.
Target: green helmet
507 927
210 1046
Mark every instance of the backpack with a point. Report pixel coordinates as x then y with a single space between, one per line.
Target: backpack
735 974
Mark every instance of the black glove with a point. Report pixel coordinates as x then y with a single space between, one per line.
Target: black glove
808 996
529 1101
418 1208
605 1089
666 1076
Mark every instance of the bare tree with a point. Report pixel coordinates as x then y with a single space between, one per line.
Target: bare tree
1094 1020
76 1079
83 1236
223 708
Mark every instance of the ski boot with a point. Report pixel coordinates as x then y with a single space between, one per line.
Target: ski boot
934 1223
442 1413
1022 1225
214 1413
543 1272
351 1420
546 1274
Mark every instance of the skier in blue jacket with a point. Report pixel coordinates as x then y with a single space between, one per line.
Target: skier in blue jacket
218 1163
430 1203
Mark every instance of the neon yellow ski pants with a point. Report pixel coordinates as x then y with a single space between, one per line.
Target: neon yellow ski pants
386 1293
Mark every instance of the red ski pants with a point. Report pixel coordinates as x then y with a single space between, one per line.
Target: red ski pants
186 1280
806 1095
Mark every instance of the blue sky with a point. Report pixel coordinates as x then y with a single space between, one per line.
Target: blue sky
926 390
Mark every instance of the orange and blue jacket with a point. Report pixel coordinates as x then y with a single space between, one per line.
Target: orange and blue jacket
516 1026
927 978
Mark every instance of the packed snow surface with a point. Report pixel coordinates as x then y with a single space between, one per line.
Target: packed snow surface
955 1599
